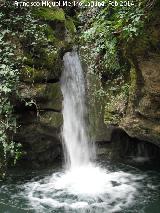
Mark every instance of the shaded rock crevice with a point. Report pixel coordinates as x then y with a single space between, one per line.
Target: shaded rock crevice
130 150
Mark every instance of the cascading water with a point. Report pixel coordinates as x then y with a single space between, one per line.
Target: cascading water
84 186
77 149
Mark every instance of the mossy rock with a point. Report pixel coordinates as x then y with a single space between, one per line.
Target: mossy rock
49 14
47 96
53 119
53 97
50 34
69 24
48 61
31 92
32 75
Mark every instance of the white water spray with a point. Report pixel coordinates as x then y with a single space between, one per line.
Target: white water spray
78 152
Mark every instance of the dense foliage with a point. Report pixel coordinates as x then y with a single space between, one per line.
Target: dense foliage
107 28
17 25
106 34
30 43
9 75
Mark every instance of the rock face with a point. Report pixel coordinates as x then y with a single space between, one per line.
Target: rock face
143 115
39 104
132 115
40 123
143 118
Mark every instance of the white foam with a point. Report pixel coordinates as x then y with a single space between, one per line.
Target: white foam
84 188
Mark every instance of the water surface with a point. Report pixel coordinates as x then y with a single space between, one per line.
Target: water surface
115 188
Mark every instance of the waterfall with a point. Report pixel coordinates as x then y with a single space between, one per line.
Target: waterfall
78 149
84 186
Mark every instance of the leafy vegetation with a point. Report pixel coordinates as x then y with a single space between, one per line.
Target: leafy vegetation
30 43
9 75
106 29
50 14
106 34
17 25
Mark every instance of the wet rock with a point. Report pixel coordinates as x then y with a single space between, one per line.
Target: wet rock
41 144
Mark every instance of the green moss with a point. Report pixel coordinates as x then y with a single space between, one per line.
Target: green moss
51 61
43 62
50 57
41 58
111 118
49 14
70 25
31 92
44 56
52 118
28 59
30 74
53 92
40 89
50 34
